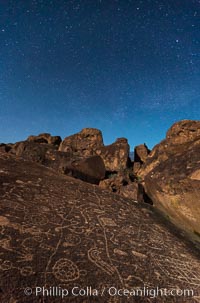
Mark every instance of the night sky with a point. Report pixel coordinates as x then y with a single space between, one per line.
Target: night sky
130 68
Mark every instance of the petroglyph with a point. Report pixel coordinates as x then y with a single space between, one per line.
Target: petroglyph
138 254
58 231
65 270
95 256
107 222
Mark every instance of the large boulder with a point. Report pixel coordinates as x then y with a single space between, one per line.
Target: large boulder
172 175
178 138
5 148
32 151
91 169
183 132
45 138
116 155
89 142
83 143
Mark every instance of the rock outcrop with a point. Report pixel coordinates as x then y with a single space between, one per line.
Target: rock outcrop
171 175
141 153
45 138
82 155
83 143
5 147
116 155
168 176
89 142
32 151
91 169
63 233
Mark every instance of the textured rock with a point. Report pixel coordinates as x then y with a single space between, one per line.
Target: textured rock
183 132
116 155
89 142
45 138
32 151
115 181
91 169
5 148
178 138
141 153
171 175
130 191
83 143
58 231
136 167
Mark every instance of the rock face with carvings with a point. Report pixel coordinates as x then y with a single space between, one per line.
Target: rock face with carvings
60 232
172 175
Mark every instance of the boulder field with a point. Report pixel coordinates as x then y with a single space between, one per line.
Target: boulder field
168 177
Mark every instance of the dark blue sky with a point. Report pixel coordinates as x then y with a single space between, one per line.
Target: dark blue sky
130 68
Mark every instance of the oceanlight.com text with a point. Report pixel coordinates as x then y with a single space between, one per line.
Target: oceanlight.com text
112 291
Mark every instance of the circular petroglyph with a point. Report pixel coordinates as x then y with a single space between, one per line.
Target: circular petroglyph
65 270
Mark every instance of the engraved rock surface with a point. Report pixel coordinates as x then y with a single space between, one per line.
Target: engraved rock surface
58 231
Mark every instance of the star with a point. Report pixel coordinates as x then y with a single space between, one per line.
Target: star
109 63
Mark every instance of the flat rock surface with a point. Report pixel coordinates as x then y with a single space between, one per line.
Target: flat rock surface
59 232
